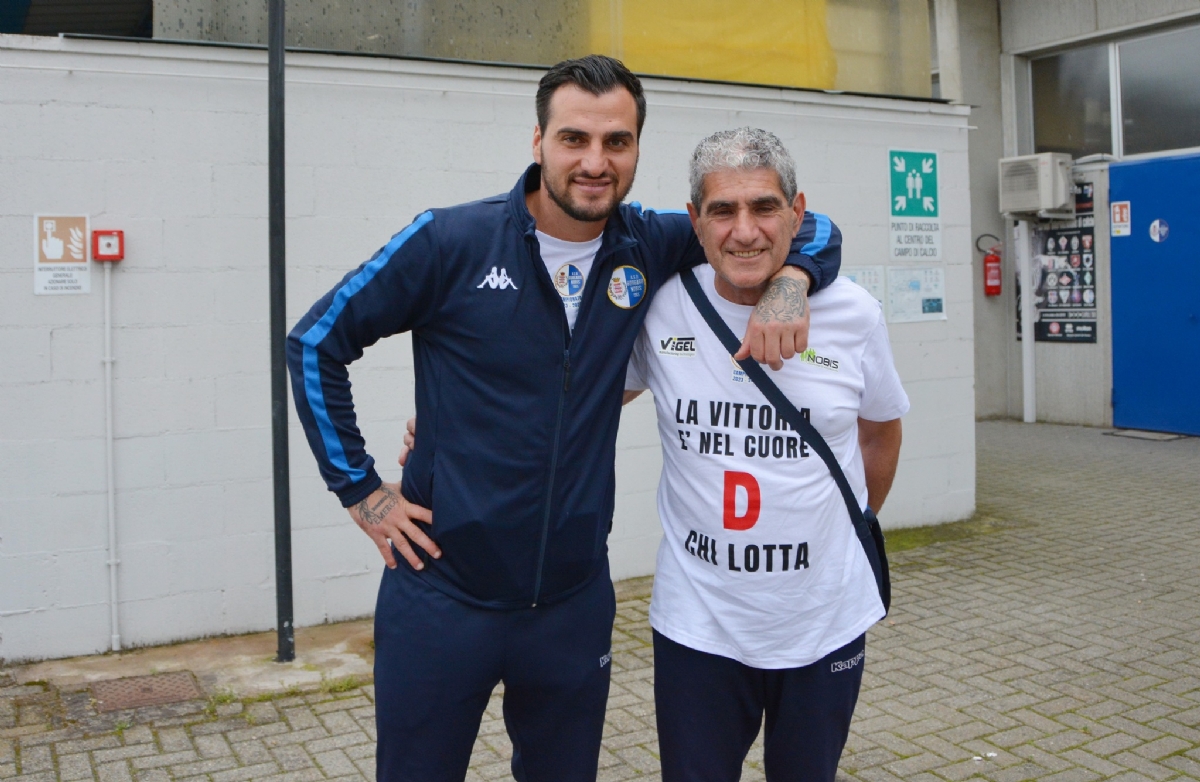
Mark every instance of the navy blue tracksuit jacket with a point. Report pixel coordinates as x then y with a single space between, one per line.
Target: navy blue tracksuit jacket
518 415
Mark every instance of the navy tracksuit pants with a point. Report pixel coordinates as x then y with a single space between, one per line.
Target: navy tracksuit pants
437 660
710 708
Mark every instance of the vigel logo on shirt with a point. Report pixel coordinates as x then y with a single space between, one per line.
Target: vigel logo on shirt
677 346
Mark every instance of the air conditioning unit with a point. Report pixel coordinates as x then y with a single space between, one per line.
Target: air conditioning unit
1037 185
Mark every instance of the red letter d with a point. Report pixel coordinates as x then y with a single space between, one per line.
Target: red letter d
753 500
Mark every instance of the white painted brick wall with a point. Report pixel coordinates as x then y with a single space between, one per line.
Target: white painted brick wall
169 143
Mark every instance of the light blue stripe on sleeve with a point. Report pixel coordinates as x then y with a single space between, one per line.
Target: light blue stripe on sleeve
636 205
319 330
821 238
316 402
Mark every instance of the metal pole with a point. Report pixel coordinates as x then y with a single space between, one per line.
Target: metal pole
1028 285
279 409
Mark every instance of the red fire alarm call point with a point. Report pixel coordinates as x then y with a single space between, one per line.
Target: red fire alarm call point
108 246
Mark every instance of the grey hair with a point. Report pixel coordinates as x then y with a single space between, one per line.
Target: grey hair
745 149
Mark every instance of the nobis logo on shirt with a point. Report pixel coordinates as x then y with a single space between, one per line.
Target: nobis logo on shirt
684 347
810 357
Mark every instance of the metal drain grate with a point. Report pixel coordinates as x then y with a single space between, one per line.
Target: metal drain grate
137 691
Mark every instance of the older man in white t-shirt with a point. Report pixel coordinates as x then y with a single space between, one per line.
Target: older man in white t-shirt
763 594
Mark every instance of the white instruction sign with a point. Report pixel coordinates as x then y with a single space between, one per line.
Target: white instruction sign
915 222
60 255
869 277
916 293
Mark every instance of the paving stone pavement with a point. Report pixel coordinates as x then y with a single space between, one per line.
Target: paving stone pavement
1053 638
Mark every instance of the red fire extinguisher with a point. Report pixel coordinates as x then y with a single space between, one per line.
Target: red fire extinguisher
991 266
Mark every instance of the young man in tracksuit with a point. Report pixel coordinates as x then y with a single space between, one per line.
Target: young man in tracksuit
523 310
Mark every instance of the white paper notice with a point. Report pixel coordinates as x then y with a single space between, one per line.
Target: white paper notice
916 293
1121 223
869 277
60 255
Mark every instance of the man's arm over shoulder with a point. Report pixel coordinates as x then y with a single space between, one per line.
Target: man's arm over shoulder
817 248
396 290
778 328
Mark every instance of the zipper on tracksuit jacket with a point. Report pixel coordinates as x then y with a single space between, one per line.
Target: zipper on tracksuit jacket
562 399
601 255
536 257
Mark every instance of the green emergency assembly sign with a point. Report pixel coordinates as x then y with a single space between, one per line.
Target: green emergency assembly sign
914 183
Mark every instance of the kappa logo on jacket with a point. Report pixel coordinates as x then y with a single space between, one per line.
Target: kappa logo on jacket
500 280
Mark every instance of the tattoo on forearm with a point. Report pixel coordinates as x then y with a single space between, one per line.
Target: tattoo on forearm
375 513
785 300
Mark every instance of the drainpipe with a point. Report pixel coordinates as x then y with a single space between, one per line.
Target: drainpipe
108 247
113 609
1028 368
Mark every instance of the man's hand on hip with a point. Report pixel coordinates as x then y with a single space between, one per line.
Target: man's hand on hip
778 327
386 516
410 441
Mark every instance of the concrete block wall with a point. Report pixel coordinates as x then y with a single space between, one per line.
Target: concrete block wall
168 143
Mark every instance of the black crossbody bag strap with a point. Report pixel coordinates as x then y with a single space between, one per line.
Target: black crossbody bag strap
869 533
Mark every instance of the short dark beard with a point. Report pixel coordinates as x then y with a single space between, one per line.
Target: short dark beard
575 212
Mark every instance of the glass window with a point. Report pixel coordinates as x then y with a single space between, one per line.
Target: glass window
1160 92
1071 111
873 46
130 18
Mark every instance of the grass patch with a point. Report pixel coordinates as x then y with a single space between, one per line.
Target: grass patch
344 684
219 698
291 691
915 537
222 697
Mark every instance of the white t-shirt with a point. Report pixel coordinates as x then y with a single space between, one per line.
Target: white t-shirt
759 560
568 264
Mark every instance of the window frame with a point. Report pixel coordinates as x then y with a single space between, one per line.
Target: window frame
1116 110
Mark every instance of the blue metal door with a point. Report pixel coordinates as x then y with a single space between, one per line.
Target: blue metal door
1156 295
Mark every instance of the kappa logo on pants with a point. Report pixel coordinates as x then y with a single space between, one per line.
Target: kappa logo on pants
845 665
